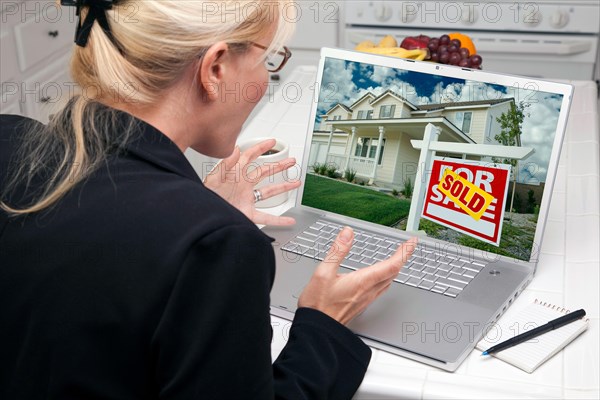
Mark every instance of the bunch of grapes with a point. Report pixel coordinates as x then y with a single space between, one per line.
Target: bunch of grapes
444 50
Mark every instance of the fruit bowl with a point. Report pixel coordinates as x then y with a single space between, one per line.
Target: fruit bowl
454 49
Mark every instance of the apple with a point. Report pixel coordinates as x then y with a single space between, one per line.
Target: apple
415 42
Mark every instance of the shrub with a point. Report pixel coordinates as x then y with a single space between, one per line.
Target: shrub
319 168
536 213
350 174
330 171
395 192
531 203
431 228
407 191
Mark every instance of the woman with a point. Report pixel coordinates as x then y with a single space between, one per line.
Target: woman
122 275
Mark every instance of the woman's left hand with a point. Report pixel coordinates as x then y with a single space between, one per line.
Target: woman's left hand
235 177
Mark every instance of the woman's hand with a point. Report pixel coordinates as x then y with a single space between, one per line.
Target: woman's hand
344 296
234 178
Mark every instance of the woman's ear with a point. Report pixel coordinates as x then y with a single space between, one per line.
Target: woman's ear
212 69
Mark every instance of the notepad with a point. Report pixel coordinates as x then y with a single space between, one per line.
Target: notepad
531 354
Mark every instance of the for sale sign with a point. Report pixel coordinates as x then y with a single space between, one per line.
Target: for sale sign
468 196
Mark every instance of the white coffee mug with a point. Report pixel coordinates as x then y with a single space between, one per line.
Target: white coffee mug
278 153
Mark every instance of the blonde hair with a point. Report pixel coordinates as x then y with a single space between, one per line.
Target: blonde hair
154 42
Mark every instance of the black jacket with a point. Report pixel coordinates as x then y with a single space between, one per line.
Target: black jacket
141 284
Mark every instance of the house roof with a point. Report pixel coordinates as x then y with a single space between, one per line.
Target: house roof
338 104
439 106
362 98
423 107
396 95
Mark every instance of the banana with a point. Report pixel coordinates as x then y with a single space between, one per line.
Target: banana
424 53
388 41
416 54
365 44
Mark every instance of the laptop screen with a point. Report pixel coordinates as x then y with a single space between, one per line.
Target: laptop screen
485 151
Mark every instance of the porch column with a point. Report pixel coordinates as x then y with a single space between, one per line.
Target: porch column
377 154
349 152
417 201
329 143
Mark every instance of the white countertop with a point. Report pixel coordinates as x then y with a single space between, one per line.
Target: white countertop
568 274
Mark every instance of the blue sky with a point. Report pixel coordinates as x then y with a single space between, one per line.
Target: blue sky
345 82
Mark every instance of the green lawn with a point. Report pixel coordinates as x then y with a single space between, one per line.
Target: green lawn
354 201
515 241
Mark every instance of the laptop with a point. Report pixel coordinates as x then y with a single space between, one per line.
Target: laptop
464 159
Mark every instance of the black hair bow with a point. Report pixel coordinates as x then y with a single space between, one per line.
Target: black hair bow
96 12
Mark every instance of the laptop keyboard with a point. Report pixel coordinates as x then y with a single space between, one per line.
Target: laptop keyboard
439 273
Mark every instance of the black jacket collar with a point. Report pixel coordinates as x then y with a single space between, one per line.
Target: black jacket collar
151 145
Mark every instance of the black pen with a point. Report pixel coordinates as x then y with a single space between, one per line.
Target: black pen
525 336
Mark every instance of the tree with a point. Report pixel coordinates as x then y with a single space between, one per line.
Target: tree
511 128
511 123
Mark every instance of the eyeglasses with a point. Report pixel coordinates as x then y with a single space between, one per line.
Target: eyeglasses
276 60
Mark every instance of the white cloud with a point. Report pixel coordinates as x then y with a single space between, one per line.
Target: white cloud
337 84
538 128
382 75
365 70
361 92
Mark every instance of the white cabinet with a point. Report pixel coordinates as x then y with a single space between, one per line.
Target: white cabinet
317 25
8 52
48 90
36 40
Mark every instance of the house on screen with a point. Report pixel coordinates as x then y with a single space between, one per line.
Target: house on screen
372 136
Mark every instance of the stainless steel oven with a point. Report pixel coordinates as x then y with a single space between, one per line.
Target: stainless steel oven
547 39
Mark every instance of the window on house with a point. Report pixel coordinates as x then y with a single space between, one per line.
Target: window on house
367 148
362 146
361 114
463 121
370 114
387 111
373 150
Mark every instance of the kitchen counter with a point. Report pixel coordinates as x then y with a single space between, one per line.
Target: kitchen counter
568 274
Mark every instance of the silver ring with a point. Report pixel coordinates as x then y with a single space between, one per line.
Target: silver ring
257 195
